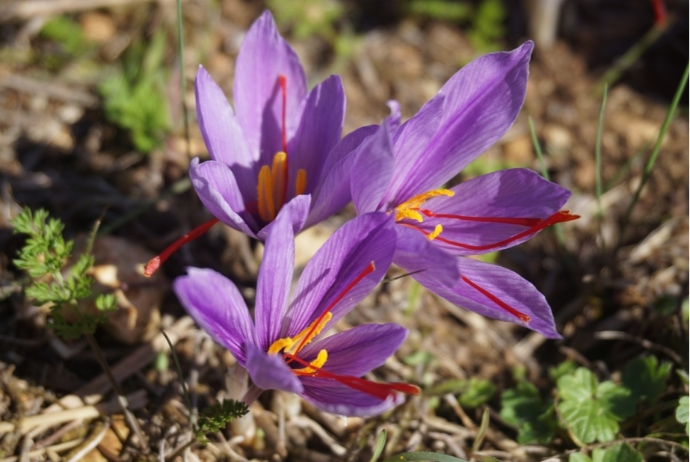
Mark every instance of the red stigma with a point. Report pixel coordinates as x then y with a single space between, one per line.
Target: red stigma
156 262
659 12
529 222
282 81
376 389
558 217
521 316
368 270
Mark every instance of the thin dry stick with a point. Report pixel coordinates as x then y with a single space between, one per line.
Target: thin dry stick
27 9
55 448
93 392
137 400
95 441
121 398
615 335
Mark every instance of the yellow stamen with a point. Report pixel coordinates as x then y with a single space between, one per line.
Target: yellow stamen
279 344
434 234
279 177
408 208
401 214
301 182
267 210
315 364
290 344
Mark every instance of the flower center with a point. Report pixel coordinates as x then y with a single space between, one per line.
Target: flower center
291 346
272 186
272 183
410 211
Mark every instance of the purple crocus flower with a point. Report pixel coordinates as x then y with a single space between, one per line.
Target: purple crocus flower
281 348
401 168
281 141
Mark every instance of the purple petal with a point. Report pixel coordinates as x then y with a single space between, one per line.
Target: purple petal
358 350
415 253
275 277
480 103
347 253
263 57
318 132
394 117
296 210
222 134
333 191
373 170
269 372
519 295
336 398
413 137
215 185
516 194
217 306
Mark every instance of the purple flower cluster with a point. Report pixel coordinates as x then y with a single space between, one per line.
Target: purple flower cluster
278 165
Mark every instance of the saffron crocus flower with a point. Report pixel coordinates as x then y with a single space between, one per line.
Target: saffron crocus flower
402 169
280 141
281 348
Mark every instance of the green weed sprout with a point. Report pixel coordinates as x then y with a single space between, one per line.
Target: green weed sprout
134 96
43 257
217 416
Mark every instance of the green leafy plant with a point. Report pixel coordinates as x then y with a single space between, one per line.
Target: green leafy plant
591 410
441 9
533 416
646 379
66 32
309 17
487 25
218 416
43 256
682 413
476 392
134 96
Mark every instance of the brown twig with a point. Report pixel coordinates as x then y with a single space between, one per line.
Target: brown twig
615 335
27 9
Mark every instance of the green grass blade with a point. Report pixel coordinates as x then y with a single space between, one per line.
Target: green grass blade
655 152
545 173
537 149
380 444
631 56
628 164
180 374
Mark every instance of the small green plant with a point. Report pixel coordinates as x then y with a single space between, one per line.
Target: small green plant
134 96
534 417
682 413
67 33
217 416
307 18
44 256
441 9
590 410
487 25
476 392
